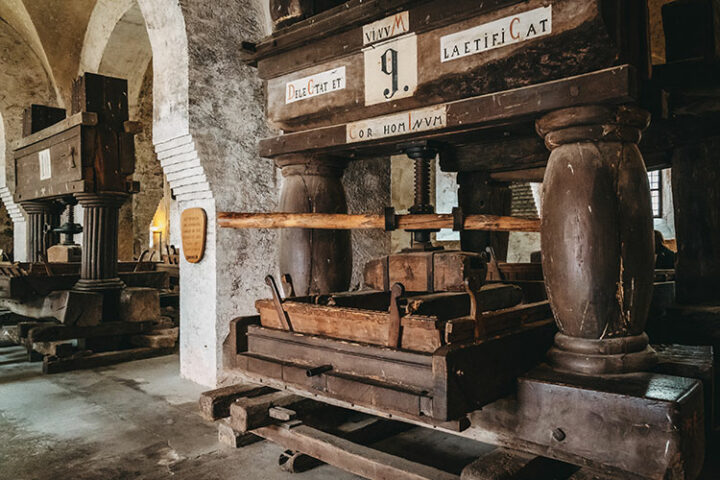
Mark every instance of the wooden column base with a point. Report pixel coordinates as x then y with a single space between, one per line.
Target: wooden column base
604 356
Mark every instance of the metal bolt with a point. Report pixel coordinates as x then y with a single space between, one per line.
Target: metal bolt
558 434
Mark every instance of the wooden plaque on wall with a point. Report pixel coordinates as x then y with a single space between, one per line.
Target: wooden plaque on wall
193 229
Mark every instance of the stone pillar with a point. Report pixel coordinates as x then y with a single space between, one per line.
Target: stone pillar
319 261
98 266
42 217
479 194
696 197
597 238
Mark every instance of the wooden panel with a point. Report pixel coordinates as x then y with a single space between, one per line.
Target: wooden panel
65 174
581 36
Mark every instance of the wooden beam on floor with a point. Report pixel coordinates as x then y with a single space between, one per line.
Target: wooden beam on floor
349 456
79 361
215 404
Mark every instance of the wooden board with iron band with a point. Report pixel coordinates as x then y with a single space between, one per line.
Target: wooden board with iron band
193 228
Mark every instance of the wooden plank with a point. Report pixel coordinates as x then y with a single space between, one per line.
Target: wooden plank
448 305
420 333
49 333
78 362
349 456
215 404
384 364
498 320
611 85
249 413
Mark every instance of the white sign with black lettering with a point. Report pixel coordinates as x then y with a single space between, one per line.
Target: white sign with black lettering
499 33
387 27
391 70
45 168
314 85
431 118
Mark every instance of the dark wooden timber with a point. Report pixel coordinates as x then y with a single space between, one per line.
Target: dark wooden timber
318 261
39 117
215 404
51 333
611 85
596 193
696 195
349 456
478 194
83 360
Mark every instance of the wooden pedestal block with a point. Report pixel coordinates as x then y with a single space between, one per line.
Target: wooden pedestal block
425 271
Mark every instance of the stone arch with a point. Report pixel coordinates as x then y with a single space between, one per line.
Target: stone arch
25 81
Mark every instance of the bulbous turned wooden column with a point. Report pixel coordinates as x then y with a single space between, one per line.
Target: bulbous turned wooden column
319 261
597 239
98 268
42 218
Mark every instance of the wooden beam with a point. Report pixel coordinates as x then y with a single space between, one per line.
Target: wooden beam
610 85
51 333
337 221
57 365
215 404
349 456
249 413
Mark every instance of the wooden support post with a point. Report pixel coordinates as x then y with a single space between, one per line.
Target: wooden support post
597 237
42 218
319 261
696 197
478 194
98 267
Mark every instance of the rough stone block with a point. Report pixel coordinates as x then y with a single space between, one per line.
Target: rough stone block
139 304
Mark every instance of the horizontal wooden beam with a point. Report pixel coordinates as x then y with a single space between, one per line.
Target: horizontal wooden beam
337 221
349 456
610 85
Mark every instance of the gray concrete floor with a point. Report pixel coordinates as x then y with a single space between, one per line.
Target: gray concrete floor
137 420
140 420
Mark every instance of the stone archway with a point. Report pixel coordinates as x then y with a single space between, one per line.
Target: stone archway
207 113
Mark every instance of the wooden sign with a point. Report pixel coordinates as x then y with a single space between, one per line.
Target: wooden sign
193 229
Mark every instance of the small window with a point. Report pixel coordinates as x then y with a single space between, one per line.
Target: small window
656 192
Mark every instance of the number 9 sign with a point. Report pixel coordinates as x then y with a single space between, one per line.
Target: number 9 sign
391 70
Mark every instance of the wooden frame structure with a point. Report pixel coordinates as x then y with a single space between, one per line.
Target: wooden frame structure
374 78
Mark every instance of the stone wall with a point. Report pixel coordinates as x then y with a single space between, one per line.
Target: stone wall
367 187
24 82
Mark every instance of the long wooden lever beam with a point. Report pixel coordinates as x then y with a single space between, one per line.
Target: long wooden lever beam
338 221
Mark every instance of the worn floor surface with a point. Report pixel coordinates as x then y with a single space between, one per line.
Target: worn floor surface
137 420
